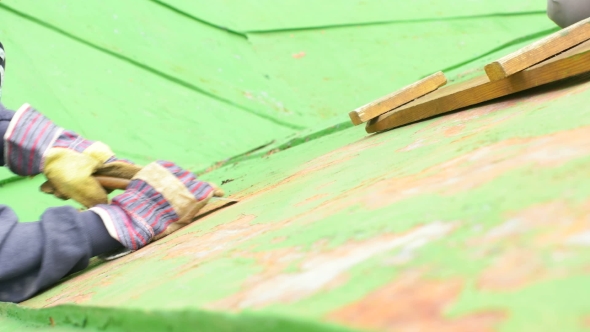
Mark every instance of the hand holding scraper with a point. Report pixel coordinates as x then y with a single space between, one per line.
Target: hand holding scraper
114 183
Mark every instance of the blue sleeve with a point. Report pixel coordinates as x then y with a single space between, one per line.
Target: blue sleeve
5 117
36 255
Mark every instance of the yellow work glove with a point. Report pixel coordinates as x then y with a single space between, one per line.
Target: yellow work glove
66 181
33 144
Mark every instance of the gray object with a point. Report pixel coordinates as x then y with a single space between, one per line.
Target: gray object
567 12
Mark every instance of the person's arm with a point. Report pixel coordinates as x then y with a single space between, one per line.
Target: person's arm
33 144
36 255
567 12
160 199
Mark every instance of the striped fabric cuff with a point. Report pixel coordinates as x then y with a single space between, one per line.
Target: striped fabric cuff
115 159
137 215
142 212
121 227
28 137
70 140
199 189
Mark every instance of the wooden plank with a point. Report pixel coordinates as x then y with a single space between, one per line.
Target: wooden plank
397 98
112 183
539 51
479 89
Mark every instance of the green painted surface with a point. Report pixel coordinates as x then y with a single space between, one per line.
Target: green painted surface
476 220
98 95
269 15
76 318
314 235
293 78
191 83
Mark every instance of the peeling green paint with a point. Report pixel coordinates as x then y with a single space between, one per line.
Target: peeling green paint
476 218
342 217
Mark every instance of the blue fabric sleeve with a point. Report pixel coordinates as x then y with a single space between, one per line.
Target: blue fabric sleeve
5 117
36 255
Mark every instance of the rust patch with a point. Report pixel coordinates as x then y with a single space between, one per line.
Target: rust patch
325 184
524 237
411 303
473 114
311 199
298 55
557 223
70 298
461 173
321 269
414 145
278 239
454 130
449 125
539 96
80 288
454 124
482 165
555 214
216 240
324 161
513 270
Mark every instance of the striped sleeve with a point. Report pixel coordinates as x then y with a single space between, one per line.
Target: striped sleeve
70 140
141 212
28 137
137 215
199 189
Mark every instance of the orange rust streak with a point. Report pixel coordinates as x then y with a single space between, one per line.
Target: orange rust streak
455 130
321 267
327 160
559 225
412 303
481 166
555 223
311 199
513 270
461 173
477 117
213 242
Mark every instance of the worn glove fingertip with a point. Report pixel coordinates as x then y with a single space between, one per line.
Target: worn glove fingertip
48 188
217 192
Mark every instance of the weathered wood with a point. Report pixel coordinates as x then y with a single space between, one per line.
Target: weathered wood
539 51
479 89
397 98
112 183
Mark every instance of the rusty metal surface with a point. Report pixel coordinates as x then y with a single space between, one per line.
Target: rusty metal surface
478 220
